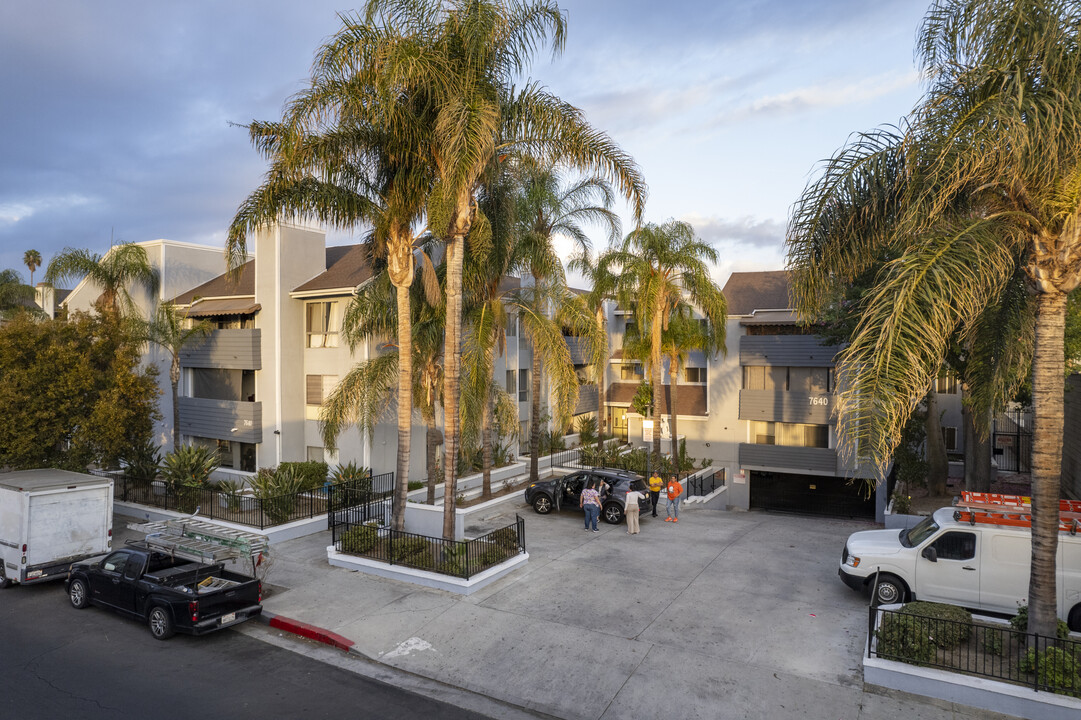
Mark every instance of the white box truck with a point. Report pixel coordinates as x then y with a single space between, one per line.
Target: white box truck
976 555
48 520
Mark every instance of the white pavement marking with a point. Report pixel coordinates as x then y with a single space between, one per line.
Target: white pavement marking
408 647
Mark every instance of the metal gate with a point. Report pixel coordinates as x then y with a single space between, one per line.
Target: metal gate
1011 441
356 502
811 494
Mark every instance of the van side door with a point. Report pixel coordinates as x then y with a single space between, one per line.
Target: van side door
948 569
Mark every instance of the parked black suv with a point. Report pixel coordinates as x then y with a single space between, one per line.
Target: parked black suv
558 493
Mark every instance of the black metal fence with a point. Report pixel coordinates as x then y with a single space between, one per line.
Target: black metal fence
996 652
1011 441
237 507
457 558
355 502
705 484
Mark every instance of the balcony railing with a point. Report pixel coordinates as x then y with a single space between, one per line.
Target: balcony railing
221 419
788 459
236 349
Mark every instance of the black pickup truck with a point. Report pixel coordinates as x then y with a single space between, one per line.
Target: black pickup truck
169 594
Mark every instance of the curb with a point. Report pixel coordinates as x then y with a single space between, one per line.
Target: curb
297 627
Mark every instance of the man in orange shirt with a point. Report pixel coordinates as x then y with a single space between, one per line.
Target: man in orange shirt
674 490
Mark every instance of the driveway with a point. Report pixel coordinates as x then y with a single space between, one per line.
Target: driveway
723 615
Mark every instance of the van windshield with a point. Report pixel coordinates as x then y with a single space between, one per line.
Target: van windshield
921 531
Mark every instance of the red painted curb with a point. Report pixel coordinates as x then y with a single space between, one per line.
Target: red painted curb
311 632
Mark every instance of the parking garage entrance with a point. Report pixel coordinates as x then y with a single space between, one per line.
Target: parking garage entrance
811 494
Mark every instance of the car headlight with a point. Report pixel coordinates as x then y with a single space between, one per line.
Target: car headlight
852 561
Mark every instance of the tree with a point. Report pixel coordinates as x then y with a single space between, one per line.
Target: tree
124 265
32 260
684 334
72 392
462 57
167 330
977 187
663 266
351 151
602 288
14 295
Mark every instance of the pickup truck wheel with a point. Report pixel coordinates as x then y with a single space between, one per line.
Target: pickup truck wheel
78 594
542 504
1074 619
161 623
613 514
890 589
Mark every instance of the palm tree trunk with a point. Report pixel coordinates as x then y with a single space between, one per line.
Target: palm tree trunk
433 439
655 378
534 417
174 380
602 377
982 452
977 453
486 446
937 466
673 379
451 380
1048 387
405 403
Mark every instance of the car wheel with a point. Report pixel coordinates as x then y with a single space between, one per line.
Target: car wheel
890 589
1074 619
77 593
542 504
613 514
161 623
5 581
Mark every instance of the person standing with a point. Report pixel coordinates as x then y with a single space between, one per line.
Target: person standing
655 485
632 509
590 502
674 490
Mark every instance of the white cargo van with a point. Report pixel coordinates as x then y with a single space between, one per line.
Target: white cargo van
948 558
48 520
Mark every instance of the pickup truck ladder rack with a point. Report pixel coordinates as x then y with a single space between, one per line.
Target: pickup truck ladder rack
1013 510
200 541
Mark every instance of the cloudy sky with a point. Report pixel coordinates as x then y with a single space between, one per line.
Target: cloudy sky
117 117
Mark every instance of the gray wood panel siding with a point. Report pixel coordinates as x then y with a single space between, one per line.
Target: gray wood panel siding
577 347
787 459
234 349
587 399
785 351
217 418
788 407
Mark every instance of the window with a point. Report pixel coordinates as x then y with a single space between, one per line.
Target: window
512 325
115 562
815 381
510 382
315 454
322 324
318 388
946 383
695 375
631 371
225 453
765 378
790 434
523 385
949 437
955 546
762 433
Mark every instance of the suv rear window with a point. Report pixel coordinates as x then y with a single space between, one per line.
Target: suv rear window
639 485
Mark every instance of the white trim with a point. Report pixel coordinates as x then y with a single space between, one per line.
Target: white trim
329 292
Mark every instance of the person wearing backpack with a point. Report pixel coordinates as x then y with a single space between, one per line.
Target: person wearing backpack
674 490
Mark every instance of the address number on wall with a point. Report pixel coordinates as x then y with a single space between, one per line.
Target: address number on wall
818 401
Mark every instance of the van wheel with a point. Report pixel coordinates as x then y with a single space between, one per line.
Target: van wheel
161 623
890 589
5 581
1074 619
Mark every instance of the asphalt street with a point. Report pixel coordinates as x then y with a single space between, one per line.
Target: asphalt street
58 662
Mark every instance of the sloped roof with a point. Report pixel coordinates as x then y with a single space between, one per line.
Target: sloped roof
690 399
221 286
347 267
222 306
750 291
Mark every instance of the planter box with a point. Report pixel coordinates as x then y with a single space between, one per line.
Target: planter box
157 487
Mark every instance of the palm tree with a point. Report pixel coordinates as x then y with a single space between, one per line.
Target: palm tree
686 333
602 288
663 266
167 330
977 186
32 260
462 57
124 265
351 150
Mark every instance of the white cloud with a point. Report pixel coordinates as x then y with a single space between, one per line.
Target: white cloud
17 211
738 231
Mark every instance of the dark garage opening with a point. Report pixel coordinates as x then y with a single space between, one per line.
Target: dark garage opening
811 495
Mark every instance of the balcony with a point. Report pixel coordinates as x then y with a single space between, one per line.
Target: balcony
231 349
786 351
782 458
221 419
787 407
587 399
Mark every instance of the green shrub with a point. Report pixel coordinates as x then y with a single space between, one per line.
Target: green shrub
141 464
277 491
1020 622
359 539
313 474
906 638
1057 668
415 485
233 492
587 429
506 538
956 625
412 550
186 471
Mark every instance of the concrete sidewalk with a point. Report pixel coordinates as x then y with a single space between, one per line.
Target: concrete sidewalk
723 615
